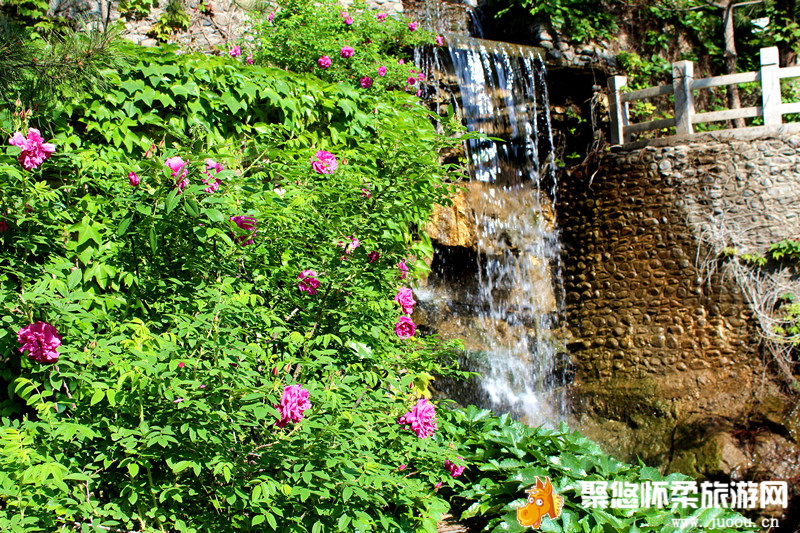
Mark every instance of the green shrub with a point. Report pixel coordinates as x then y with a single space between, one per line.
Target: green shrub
303 31
179 336
506 457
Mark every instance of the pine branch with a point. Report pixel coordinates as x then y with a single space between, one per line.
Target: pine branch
42 71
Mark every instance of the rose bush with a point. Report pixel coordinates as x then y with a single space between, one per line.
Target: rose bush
195 388
338 46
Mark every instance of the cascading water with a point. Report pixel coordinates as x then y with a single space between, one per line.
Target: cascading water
507 314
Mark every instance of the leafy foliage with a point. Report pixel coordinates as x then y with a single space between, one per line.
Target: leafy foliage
578 19
173 19
784 24
178 337
44 68
507 456
302 31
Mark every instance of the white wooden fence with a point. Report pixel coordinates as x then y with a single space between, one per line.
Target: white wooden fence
771 109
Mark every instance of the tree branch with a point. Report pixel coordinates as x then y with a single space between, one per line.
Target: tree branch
749 2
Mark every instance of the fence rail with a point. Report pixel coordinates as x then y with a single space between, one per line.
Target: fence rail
683 83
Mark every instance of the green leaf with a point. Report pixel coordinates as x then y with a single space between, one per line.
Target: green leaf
173 198
232 102
111 394
132 85
153 238
86 231
191 207
74 278
122 229
97 396
146 96
214 215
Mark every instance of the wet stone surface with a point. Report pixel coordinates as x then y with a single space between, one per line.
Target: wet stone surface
662 332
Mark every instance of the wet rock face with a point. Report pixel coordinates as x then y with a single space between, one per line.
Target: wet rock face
491 287
667 351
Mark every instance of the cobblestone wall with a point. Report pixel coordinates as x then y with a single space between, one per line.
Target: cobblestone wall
665 347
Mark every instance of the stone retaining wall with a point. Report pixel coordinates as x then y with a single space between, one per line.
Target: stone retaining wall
212 23
663 337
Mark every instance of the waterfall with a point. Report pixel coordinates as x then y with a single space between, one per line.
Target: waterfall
507 310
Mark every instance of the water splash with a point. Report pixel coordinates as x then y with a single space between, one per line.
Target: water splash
508 315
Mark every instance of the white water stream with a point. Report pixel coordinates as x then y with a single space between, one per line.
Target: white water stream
508 317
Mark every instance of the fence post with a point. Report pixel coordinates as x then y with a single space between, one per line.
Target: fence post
770 87
619 117
682 78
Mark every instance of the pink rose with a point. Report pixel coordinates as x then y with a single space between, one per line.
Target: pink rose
439 40
133 179
293 402
401 61
34 151
373 256
249 59
308 281
236 51
453 468
421 418
365 193
381 17
381 71
271 16
405 328
405 297
354 243
40 340
350 246
247 224
413 26
438 485
325 162
348 21
213 184
402 467
346 51
366 82
179 170
403 268
324 62
178 166
212 168
411 80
